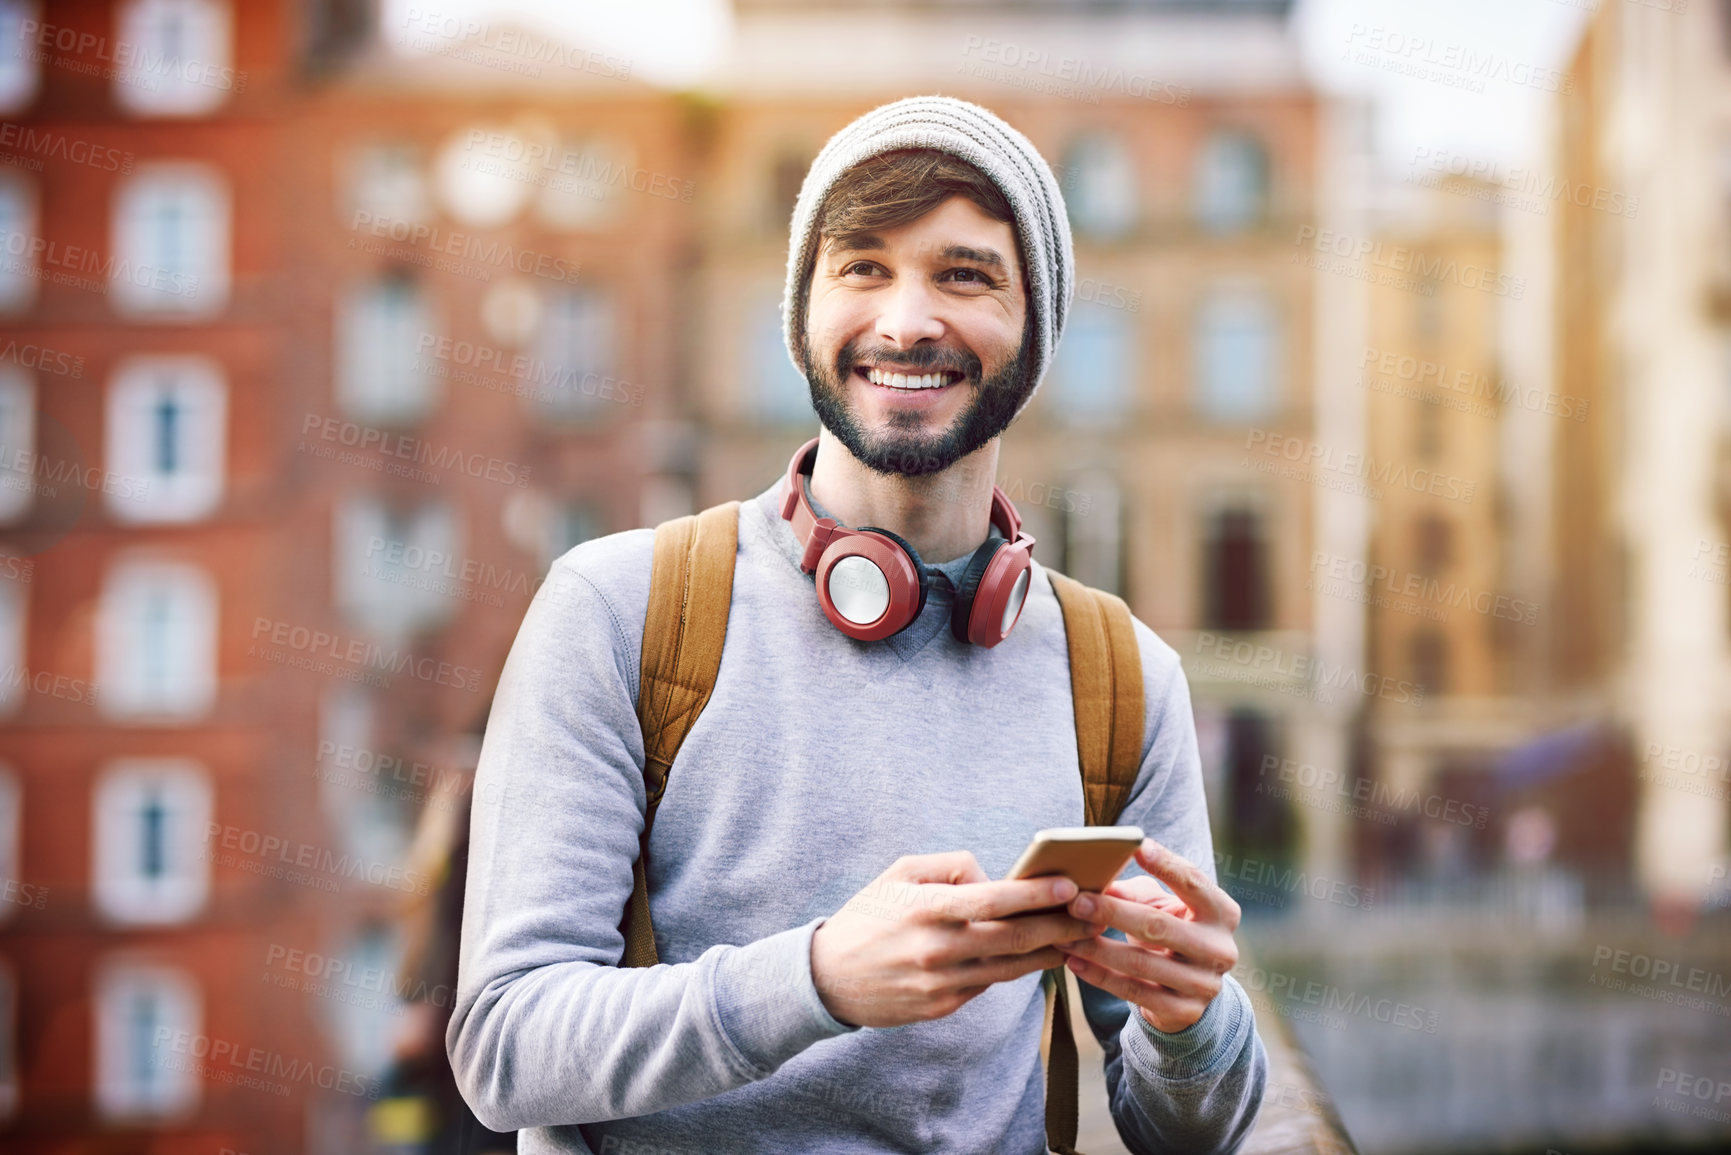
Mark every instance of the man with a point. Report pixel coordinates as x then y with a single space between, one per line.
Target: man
839 972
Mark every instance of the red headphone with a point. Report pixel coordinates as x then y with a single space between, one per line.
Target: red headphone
872 584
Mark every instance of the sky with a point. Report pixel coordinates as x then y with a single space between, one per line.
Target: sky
1512 49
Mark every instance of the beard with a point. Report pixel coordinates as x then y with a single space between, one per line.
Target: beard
904 448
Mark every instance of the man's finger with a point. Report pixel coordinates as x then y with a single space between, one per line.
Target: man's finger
1150 966
1013 936
986 901
1146 924
951 866
1208 901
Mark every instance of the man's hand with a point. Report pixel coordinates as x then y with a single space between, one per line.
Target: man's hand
1177 948
929 933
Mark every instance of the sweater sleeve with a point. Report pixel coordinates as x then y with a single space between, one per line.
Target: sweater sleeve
1197 1090
547 1029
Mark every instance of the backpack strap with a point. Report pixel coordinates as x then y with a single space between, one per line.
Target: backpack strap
1106 685
690 590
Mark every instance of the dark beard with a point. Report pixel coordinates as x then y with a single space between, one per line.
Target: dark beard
901 450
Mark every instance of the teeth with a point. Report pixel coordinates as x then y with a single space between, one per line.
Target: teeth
904 381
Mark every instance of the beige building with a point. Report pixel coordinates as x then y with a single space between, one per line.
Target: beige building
1194 157
1641 488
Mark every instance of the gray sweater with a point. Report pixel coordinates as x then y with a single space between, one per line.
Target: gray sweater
818 762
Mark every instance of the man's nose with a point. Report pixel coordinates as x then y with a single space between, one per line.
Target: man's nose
910 315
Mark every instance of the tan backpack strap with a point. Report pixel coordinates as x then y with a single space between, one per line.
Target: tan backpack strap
690 590
1106 685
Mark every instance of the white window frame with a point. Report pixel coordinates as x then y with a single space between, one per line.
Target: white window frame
1225 297
141 284
393 598
577 391
140 492
14 648
196 82
371 386
169 1089
124 894
17 252
17 442
120 645
18 84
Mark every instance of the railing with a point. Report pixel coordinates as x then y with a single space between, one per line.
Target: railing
1298 1117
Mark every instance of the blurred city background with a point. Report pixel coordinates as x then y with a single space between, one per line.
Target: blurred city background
1396 396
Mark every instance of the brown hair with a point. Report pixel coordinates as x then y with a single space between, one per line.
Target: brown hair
891 189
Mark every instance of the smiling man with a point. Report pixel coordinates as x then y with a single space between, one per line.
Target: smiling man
838 971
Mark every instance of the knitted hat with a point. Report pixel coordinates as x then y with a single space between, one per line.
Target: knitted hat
983 140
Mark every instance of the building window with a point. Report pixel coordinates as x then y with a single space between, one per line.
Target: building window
1238 355
1431 544
588 193
387 181
11 848
141 1008
167 435
382 376
786 178
777 392
149 841
156 641
364 1029
1093 370
483 189
394 565
1092 533
1428 655
182 57
17 442
1235 571
1231 183
171 242
8 1041
1427 427
17 242
569 525
374 826
1100 186
577 345
18 72
14 673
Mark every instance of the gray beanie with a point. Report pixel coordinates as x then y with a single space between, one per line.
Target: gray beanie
984 141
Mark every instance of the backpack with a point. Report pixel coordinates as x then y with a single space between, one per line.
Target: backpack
690 590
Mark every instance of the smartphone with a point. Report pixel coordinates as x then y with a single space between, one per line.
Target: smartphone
1089 856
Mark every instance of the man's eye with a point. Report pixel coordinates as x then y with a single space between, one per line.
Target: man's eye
971 275
857 267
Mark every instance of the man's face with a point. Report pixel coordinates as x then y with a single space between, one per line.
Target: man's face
938 303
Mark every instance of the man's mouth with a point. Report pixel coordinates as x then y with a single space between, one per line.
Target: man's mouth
908 381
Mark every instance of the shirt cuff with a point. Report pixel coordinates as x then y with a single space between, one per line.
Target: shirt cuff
1207 1044
767 1003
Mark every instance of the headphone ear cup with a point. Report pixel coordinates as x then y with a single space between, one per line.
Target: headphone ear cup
913 556
963 606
